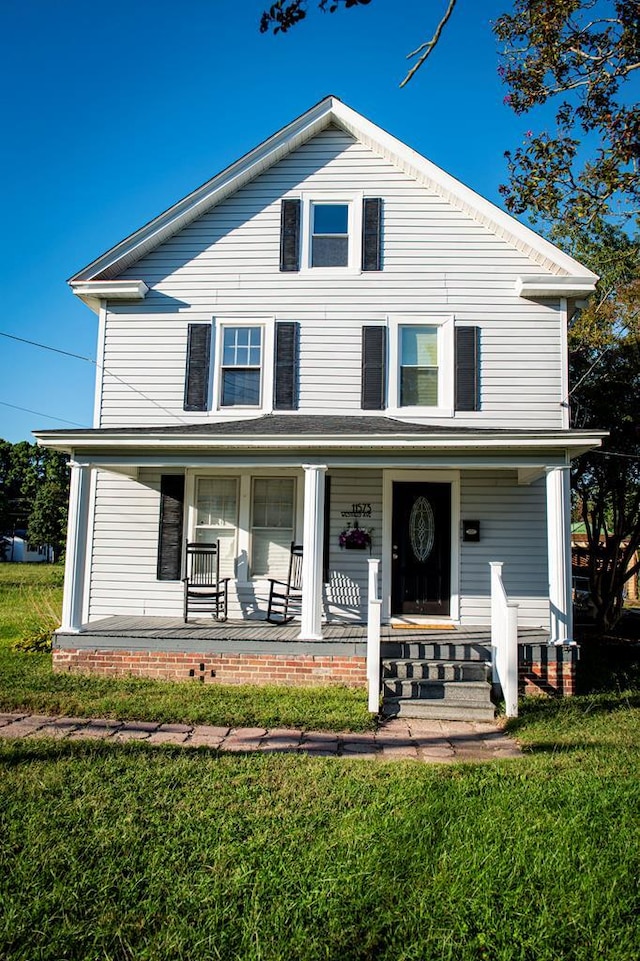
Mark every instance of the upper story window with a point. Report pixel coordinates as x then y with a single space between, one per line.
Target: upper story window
329 235
421 364
337 231
241 367
418 366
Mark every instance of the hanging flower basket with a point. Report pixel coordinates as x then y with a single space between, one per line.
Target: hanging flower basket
355 538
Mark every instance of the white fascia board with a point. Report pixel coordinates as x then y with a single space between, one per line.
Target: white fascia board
576 441
545 285
94 292
460 195
212 192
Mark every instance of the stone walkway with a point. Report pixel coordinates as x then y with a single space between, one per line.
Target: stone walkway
396 740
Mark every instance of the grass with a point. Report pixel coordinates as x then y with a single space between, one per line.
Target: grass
129 853
30 599
126 852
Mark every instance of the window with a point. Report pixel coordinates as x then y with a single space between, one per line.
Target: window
418 366
272 524
421 373
217 516
329 235
241 367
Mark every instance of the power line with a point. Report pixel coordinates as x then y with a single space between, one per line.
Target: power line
89 360
39 413
56 350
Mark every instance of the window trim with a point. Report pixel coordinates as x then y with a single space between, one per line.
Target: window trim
253 527
446 361
245 476
267 325
353 200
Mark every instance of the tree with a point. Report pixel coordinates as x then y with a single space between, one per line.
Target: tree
604 341
34 490
578 54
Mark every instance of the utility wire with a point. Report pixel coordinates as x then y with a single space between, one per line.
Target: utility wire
39 413
89 360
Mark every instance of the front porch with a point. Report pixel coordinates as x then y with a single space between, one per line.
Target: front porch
423 659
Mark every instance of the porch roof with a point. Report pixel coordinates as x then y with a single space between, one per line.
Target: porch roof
314 433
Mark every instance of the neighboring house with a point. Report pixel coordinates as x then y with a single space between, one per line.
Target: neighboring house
331 331
17 548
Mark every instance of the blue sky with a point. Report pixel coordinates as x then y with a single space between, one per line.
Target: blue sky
114 111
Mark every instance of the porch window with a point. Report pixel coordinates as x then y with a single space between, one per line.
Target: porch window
241 367
217 516
418 366
272 525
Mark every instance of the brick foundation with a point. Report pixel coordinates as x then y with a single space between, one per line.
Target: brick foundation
545 670
300 670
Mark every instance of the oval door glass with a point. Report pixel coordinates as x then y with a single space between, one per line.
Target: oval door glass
421 528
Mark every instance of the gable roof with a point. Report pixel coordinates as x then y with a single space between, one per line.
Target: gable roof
329 111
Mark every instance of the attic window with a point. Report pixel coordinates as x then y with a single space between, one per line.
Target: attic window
329 235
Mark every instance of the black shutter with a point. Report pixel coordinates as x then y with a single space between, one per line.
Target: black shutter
285 375
170 533
467 368
374 367
196 381
326 545
290 235
372 233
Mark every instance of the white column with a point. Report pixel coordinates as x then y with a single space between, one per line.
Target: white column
559 554
312 542
77 536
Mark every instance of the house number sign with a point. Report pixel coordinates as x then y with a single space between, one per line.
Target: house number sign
358 510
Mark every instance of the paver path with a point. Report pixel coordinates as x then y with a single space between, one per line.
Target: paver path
396 740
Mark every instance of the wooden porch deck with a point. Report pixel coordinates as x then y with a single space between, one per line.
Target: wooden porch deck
166 634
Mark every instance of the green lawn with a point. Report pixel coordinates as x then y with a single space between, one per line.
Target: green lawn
111 852
30 599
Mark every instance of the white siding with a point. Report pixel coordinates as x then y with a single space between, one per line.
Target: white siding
436 260
513 530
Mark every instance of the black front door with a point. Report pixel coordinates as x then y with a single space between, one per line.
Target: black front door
421 549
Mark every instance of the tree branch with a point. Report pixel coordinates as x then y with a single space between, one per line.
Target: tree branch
429 45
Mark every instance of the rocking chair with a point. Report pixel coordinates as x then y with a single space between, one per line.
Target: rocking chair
205 592
281 593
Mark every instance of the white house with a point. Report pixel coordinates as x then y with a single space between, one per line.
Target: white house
332 331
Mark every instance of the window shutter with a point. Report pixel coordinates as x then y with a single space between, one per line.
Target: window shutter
326 546
285 375
467 368
372 233
290 235
170 533
374 367
196 381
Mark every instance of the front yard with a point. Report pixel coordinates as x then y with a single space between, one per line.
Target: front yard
117 852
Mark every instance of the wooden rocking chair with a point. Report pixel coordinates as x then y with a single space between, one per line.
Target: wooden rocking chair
281 593
205 592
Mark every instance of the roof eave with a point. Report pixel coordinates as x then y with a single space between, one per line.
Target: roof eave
577 442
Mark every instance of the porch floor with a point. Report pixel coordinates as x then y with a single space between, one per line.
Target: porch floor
167 633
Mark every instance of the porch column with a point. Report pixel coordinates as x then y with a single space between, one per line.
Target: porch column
76 553
559 554
313 538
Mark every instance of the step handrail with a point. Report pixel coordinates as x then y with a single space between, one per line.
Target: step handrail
504 640
374 610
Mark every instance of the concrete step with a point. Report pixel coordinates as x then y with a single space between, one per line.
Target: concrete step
437 710
429 690
435 650
406 668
